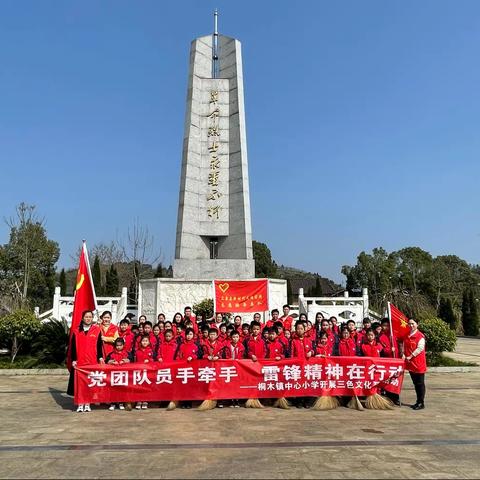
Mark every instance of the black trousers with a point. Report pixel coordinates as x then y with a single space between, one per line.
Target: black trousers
418 380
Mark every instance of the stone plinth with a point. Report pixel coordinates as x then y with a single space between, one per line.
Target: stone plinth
171 295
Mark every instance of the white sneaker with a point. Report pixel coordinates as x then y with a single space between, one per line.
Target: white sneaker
80 408
87 408
144 405
121 406
111 407
138 406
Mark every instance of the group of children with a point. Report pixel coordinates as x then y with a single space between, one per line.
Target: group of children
191 338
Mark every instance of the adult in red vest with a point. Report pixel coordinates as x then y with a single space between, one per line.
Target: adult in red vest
109 332
286 319
416 361
86 349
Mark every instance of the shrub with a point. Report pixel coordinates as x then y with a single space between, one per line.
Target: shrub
18 328
50 345
440 338
205 308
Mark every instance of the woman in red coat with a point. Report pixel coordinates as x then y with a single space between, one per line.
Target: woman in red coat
416 361
86 349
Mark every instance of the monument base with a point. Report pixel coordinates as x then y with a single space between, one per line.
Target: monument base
240 269
171 295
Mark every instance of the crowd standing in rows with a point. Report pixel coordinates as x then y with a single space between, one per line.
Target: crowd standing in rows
189 337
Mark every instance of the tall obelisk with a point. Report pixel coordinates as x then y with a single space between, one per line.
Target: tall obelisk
214 233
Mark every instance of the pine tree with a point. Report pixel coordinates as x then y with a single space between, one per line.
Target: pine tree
112 282
159 272
63 283
97 276
469 313
474 321
318 287
289 292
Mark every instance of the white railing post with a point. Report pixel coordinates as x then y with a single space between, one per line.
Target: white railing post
56 304
365 302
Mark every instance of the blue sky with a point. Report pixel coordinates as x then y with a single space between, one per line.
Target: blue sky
363 121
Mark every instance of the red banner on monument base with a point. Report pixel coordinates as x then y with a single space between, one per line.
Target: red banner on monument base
246 296
236 379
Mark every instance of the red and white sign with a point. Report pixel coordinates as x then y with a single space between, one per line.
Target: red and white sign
247 296
223 379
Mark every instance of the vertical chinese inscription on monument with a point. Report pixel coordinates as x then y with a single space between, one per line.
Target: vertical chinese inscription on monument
214 194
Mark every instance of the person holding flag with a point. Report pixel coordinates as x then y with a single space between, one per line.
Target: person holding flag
416 361
85 344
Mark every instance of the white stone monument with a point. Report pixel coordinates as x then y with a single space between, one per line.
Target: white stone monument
214 232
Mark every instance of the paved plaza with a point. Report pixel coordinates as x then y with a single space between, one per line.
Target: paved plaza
42 438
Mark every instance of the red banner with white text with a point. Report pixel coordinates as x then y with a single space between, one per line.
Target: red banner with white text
241 296
237 379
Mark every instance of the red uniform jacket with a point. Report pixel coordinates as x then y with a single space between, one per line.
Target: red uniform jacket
109 332
128 338
371 349
275 349
386 344
282 338
234 352
299 347
256 346
166 351
85 351
417 364
213 349
189 348
144 355
347 347
117 356
324 350
287 322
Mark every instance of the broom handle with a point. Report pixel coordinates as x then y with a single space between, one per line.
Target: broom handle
394 350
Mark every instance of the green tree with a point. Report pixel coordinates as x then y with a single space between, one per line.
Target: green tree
97 276
62 280
470 321
17 328
204 308
446 313
289 292
160 271
264 265
111 282
27 261
439 337
412 265
50 345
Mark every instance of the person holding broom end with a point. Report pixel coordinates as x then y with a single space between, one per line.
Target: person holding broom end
416 361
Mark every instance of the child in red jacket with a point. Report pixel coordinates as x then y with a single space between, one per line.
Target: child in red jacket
234 350
275 348
212 349
188 350
346 344
144 354
324 347
119 356
370 347
166 351
255 344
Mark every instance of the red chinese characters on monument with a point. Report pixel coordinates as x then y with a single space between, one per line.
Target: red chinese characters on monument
241 296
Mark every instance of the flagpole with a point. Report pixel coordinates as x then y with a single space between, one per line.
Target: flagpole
394 350
87 261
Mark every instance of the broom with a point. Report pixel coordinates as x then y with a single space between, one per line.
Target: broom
172 406
377 402
253 403
281 402
207 405
355 403
325 402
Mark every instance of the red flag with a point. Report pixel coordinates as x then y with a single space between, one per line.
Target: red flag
398 322
84 294
241 296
